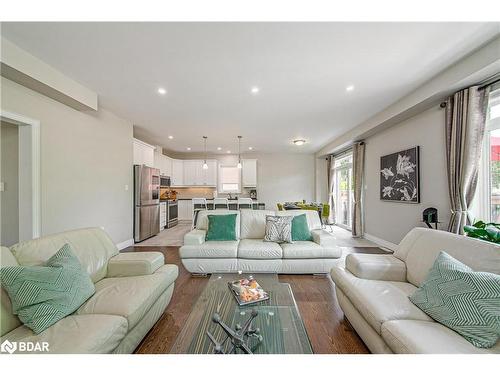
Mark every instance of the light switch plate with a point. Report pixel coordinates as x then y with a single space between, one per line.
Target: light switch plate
2 186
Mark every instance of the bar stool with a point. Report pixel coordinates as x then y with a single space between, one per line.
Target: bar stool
245 203
199 204
221 203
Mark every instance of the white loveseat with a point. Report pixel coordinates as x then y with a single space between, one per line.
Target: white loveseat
373 292
132 291
250 253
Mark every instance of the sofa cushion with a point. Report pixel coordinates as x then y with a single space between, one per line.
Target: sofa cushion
130 297
221 228
378 301
202 220
210 249
92 246
308 250
300 229
253 223
259 249
43 295
468 302
417 336
78 334
420 248
135 263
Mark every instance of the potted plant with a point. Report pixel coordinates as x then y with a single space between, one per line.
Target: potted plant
485 231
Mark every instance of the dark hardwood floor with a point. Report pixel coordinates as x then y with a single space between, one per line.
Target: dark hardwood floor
315 296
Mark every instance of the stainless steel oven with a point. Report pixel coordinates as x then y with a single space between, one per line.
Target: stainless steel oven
172 213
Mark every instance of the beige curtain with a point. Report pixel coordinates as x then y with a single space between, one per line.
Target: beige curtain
331 182
465 122
358 168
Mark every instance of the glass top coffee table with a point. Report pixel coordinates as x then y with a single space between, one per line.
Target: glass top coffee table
278 319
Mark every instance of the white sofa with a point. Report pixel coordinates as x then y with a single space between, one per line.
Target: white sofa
373 292
132 291
250 253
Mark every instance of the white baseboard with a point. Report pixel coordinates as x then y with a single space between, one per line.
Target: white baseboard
381 242
124 244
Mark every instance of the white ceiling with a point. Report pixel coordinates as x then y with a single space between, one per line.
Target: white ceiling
208 69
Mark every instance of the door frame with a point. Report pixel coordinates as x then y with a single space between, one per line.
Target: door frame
17 119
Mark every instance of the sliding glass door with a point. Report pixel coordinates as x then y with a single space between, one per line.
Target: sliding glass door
343 190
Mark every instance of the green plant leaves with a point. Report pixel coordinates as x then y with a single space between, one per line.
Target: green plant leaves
485 231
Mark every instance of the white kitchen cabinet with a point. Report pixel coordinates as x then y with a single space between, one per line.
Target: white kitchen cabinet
185 210
192 172
210 174
177 176
167 166
249 172
163 215
143 153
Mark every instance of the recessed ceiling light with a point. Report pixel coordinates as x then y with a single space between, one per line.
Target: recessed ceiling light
170 137
219 148
299 142
228 151
255 90
162 91
349 88
188 148
250 148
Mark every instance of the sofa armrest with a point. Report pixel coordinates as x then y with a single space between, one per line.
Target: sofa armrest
323 238
376 267
195 237
135 264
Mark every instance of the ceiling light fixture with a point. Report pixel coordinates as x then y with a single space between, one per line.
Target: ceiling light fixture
228 151
250 148
349 88
205 165
219 148
188 148
239 151
255 90
170 137
162 91
299 142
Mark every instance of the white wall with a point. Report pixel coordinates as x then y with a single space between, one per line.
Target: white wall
86 161
9 157
390 221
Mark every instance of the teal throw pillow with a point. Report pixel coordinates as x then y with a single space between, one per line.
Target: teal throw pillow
468 302
300 229
221 228
43 295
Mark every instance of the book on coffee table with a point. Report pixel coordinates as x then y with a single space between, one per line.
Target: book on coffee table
247 291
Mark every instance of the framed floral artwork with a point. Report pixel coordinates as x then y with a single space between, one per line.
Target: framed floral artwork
400 177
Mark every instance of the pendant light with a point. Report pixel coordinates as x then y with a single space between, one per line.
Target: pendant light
205 165
239 151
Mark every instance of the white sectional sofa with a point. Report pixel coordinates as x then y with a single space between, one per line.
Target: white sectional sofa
250 253
132 291
373 292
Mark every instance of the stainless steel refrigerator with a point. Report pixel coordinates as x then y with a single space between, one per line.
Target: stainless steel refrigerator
146 202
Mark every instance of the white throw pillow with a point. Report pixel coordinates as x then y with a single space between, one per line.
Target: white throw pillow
278 229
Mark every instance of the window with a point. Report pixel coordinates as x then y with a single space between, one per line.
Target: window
488 191
229 179
343 190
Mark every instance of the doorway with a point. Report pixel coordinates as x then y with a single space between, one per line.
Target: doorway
343 193
19 178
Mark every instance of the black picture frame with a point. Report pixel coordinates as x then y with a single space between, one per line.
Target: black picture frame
400 176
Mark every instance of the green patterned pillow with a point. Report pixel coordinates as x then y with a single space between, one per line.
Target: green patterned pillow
468 302
221 228
43 295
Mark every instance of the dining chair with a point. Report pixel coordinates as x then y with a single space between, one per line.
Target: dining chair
221 203
245 203
199 204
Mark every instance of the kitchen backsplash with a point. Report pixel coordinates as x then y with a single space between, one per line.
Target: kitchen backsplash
204 192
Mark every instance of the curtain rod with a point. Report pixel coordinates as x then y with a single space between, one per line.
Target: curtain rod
491 80
345 151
